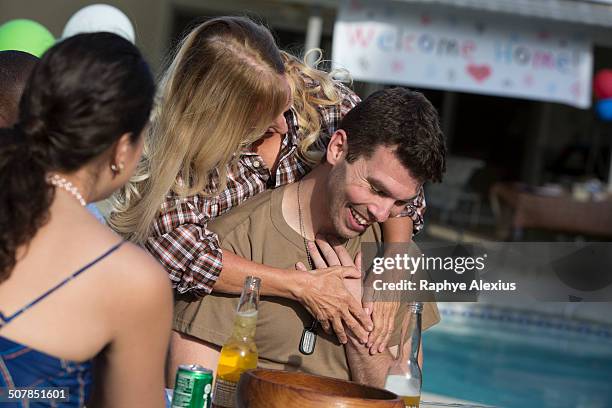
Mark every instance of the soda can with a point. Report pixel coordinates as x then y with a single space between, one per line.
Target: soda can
193 387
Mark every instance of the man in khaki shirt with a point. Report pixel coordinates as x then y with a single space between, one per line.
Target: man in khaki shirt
378 160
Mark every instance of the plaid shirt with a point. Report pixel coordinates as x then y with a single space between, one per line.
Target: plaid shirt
180 239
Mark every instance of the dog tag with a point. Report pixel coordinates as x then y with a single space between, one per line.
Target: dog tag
309 339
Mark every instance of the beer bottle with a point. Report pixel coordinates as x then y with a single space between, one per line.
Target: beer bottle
239 353
404 377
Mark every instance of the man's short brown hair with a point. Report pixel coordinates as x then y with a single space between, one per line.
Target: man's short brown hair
401 119
15 68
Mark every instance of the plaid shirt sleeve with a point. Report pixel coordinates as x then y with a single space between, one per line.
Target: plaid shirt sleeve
416 211
349 99
188 251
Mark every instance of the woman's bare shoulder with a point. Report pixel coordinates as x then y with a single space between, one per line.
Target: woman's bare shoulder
134 267
140 288
128 269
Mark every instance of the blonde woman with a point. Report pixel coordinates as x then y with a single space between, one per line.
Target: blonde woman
235 118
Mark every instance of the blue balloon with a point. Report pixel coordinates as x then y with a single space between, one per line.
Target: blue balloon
604 109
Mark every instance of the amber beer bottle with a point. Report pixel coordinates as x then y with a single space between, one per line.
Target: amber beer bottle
239 353
404 377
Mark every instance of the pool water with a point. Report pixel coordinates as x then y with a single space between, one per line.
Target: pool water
518 359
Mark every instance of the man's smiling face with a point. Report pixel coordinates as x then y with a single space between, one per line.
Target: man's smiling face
368 190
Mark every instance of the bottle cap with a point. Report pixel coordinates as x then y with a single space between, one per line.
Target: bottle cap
416 307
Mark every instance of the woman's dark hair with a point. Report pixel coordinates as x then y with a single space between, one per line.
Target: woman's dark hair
84 94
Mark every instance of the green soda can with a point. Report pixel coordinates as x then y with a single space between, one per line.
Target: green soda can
192 387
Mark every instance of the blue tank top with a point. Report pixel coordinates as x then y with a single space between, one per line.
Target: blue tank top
24 367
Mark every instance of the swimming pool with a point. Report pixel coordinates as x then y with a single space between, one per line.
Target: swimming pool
518 359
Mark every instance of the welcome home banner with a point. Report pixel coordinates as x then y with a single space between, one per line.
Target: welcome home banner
399 43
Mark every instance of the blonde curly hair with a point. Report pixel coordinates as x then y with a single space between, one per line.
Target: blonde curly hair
311 87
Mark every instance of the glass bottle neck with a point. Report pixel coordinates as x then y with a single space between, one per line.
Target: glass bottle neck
244 325
415 336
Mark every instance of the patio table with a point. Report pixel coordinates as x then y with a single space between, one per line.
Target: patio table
559 213
423 404
431 404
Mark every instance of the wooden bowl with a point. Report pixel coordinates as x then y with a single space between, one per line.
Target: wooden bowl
282 389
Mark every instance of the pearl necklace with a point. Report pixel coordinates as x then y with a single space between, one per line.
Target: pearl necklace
61 182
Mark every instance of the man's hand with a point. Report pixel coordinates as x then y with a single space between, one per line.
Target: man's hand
383 316
330 251
325 296
383 308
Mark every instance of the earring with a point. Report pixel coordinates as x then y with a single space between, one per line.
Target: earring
116 168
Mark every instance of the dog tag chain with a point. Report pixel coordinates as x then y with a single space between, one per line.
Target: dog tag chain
308 340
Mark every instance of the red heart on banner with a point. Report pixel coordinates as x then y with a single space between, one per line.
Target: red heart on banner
602 84
479 72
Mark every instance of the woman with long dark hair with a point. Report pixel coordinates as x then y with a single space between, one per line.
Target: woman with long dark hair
78 305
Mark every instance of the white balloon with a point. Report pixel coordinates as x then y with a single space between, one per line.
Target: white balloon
100 17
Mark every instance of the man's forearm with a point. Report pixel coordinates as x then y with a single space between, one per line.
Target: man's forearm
372 369
366 368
